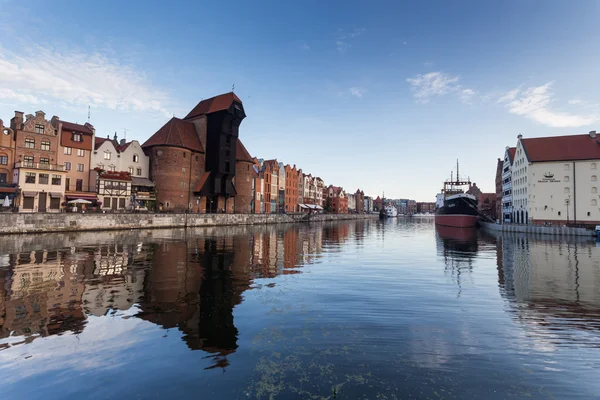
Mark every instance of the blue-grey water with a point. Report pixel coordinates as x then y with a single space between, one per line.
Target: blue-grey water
349 310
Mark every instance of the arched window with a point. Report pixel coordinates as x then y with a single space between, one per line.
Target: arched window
567 190
594 189
594 178
567 179
593 165
594 202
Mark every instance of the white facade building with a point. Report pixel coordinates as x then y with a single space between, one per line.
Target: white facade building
507 200
555 180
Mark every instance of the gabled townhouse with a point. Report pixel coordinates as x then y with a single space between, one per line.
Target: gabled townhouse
506 200
76 144
7 151
37 171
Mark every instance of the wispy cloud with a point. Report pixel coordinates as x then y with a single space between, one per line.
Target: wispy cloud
427 86
44 75
466 95
576 102
357 91
304 46
534 103
342 43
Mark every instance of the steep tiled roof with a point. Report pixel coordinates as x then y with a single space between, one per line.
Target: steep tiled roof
511 153
214 104
99 142
562 148
241 154
176 133
69 126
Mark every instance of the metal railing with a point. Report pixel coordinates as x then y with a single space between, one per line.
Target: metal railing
42 166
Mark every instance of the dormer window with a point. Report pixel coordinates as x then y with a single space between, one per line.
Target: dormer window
107 155
77 137
39 129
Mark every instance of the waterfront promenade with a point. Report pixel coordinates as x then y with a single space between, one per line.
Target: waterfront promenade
73 222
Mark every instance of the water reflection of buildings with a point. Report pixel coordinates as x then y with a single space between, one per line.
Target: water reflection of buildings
550 284
191 282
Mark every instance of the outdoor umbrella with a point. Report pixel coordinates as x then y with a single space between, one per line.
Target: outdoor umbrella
6 202
80 201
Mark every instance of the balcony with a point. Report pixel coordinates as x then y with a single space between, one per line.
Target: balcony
41 166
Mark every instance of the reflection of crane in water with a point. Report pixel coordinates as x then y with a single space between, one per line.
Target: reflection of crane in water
458 247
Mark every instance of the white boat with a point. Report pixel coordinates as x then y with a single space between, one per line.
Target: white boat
390 211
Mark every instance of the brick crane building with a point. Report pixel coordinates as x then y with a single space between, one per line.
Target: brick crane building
194 160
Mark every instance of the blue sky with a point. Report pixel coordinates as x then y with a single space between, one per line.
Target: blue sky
383 96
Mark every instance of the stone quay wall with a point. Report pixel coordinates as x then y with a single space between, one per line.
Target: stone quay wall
537 229
11 223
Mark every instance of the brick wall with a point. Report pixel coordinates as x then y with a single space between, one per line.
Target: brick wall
244 174
176 171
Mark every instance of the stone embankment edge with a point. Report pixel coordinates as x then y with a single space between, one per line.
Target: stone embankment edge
15 223
537 229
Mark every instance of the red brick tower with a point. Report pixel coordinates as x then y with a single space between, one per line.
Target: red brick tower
244 177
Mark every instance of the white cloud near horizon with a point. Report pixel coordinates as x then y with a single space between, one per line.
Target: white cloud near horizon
76 79
357 92
432 84
534 103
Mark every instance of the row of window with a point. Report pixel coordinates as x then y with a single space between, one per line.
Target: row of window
80 167
30 177
136 157
69 151
30 144
138 171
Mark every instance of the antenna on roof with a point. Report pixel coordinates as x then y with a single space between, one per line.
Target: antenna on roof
233 87
125 133
89 109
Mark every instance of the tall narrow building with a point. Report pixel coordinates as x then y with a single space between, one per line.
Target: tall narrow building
193 160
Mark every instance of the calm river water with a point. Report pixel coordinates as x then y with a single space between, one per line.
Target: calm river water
349 310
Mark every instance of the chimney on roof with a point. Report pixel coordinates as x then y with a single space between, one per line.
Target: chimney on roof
122 142
593 134
17 121
519 136
40 114
107 137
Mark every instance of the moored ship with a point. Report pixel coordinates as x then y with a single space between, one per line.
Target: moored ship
454 207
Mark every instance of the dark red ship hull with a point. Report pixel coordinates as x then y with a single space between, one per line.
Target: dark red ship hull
456 220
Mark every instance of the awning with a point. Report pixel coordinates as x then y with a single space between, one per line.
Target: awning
8 189
319 207
55 195
303 206
138 181
29 194
142 197
90 196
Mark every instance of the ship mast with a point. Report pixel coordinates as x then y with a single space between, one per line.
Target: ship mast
457 175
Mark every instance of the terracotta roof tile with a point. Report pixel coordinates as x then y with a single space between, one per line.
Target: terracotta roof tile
176 133
69 126
562 148
214 104
511 153
241 154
